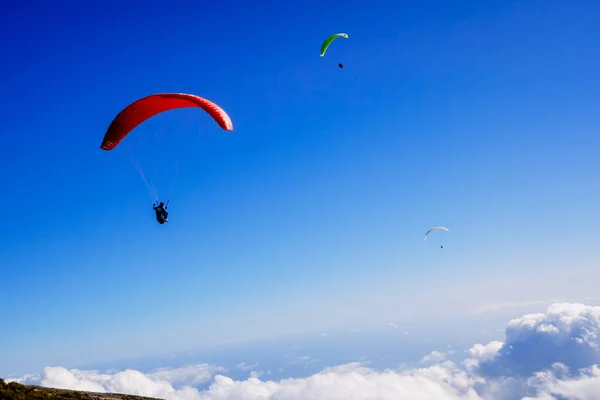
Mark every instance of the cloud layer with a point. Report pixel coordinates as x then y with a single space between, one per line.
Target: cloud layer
545 356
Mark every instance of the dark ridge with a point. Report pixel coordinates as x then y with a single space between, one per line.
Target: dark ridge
16 391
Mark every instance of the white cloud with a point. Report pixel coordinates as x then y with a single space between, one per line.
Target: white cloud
545 356
246 367
352 382
256 374
586 386
480 352
566 333
192 375
434 356
158 383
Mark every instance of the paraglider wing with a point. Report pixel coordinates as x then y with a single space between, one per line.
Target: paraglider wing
142 109
434 229
330 39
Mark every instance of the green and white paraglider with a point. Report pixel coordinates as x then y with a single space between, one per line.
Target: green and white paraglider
328 41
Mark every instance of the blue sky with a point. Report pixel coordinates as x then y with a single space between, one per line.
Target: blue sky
482 117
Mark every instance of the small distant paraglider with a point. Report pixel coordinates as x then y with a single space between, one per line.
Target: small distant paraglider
435 228
328 41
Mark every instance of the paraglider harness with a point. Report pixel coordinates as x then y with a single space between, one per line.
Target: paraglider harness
161 211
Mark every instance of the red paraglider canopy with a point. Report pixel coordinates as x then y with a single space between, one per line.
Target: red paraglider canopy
142 109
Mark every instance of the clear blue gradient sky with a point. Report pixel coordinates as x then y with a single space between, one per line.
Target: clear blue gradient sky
478 115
